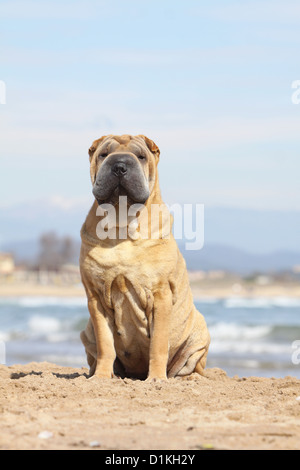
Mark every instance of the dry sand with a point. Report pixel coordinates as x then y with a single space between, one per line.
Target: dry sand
221 290
189 413
182 413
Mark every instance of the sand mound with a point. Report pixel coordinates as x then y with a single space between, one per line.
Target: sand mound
44 406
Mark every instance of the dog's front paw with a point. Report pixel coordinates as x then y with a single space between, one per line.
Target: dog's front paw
102 375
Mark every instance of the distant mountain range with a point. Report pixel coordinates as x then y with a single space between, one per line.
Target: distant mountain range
26 221
227 258
236 240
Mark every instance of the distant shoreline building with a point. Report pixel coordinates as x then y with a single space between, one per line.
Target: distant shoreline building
7 263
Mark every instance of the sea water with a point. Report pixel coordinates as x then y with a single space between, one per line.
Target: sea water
252 336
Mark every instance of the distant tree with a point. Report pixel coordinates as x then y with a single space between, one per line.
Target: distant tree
67 250
55 251
49 258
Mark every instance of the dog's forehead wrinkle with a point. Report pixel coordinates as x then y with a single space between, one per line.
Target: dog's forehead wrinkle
136 148
110 144
131 147
113 146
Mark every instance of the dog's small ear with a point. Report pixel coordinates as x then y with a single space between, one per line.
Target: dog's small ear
91 151
94 146
151 146
93 163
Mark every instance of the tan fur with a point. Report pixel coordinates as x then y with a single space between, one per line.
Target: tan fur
142 316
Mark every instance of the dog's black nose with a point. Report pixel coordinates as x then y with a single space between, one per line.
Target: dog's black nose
119 169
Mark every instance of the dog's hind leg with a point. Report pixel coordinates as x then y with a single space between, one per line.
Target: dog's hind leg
200 366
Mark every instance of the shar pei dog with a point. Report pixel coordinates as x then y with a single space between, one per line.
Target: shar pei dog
143 322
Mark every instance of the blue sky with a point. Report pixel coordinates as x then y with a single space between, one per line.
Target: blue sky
209 82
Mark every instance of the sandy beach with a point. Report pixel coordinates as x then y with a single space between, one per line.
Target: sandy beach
48 406
211 289
44 406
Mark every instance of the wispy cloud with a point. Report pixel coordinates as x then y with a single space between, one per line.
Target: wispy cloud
146 58
198 78
68 128
257 11
36 9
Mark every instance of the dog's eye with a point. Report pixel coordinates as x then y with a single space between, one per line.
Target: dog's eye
103 155
141 157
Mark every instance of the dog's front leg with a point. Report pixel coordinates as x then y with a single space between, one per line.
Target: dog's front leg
159 335
106 353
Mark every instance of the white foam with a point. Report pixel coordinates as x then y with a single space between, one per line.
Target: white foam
261 302
286 302
41 301
60 336
249 347
207 300
235 331
4 336
240 302
52 301
43 325
250 363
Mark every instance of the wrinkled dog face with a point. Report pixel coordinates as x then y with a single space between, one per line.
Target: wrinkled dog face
123 166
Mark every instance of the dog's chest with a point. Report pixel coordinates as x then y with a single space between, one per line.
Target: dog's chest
132 309
132 305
